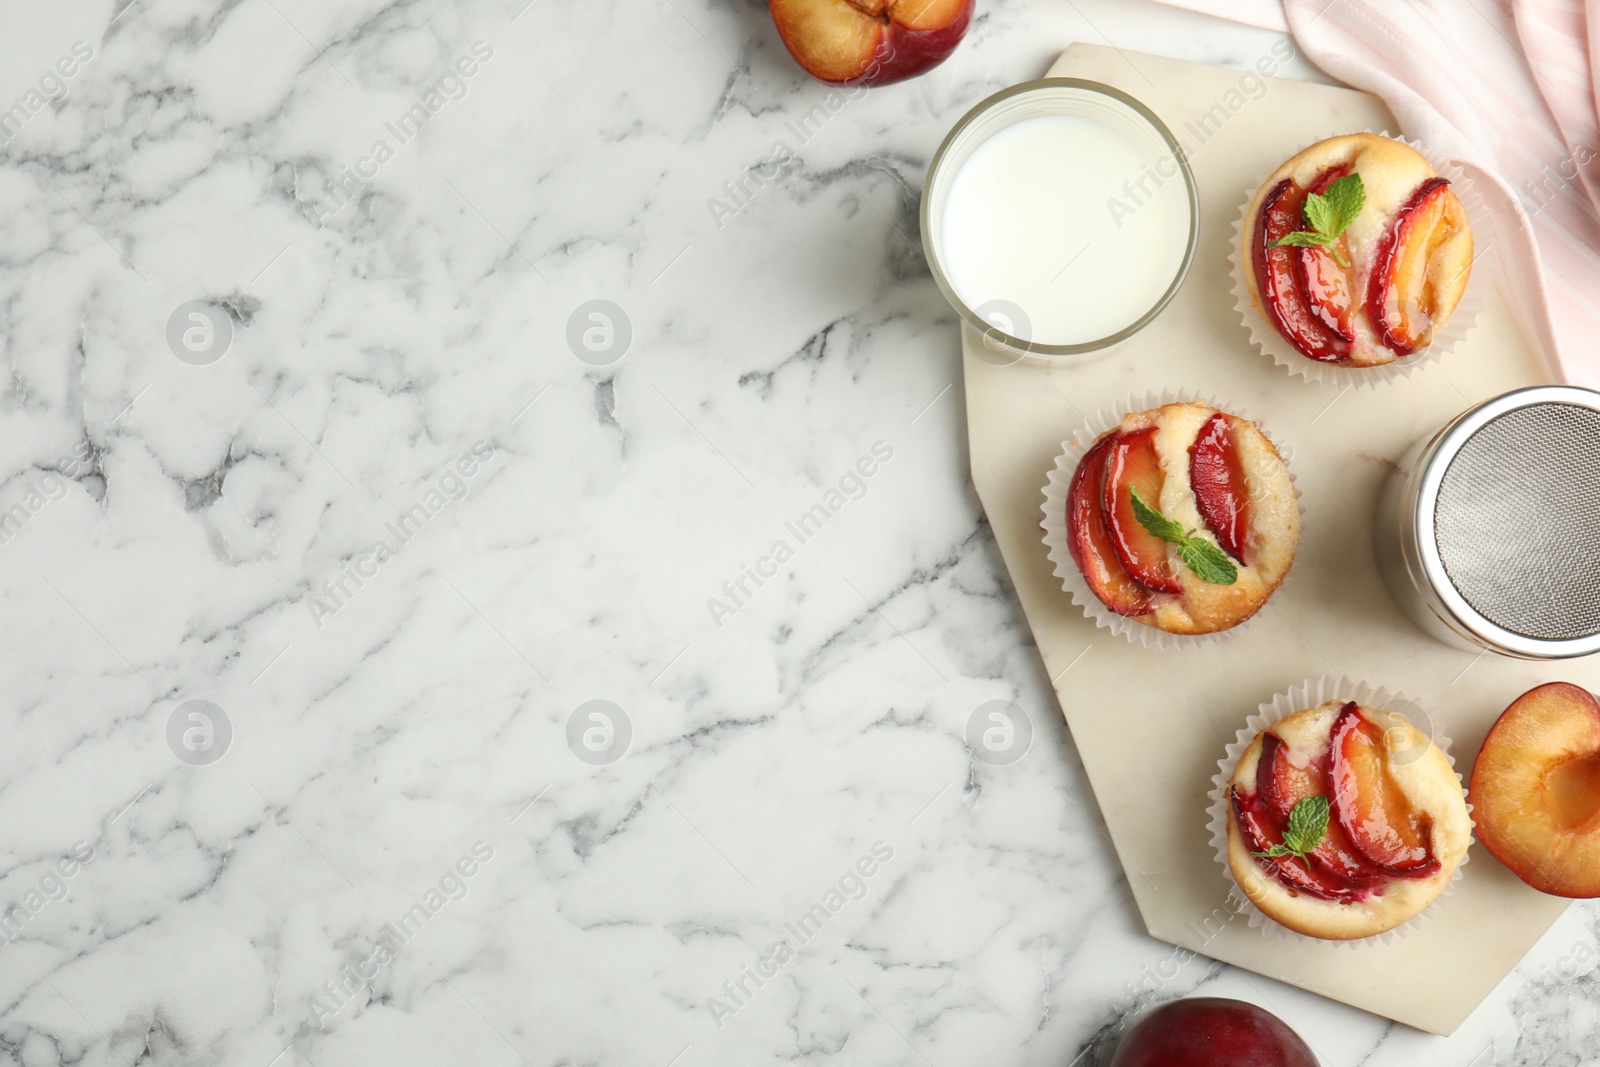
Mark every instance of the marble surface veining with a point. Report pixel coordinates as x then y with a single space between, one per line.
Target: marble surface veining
319 543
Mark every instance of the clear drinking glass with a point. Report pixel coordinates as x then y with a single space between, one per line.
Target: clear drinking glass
1071 97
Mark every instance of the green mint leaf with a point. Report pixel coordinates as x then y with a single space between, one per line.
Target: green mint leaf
1208 561
1345 199
1199 555
1158 524
1329 215
1301 239
1319 213
1308 824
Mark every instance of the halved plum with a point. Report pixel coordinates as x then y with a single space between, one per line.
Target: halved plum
1536 790
1282 296
1281 783
870 42
1325 284
1258 834
1221 491
1369 806
1134 464
1090 542
1401 290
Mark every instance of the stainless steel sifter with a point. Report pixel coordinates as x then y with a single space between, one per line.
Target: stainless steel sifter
1488 532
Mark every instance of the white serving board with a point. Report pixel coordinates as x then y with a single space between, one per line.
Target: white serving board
1150 726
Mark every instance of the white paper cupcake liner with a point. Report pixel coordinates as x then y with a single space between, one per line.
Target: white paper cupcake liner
1310 694
1054 522
1266 337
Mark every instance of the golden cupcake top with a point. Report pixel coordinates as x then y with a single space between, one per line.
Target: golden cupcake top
1357 250
1344 821
1183 518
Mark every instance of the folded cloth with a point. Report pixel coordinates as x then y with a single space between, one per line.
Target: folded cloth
1506 90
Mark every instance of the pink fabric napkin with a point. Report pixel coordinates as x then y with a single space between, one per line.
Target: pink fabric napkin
1507 90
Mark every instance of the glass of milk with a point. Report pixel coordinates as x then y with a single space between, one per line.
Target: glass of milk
1059 217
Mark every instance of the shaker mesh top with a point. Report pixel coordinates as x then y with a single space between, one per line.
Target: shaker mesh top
1517 521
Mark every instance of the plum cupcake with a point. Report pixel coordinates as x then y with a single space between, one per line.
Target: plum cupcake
1180 520
1354 255
1340 821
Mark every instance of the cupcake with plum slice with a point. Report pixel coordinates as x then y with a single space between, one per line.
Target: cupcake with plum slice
1182 519
1355 252
1343 821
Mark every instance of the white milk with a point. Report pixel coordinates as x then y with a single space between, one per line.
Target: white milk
1049 215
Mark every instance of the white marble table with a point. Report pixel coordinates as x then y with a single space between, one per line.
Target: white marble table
383 520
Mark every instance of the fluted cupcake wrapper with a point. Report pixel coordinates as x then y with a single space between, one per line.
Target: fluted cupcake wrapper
1266 337
1310 694
1054 521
